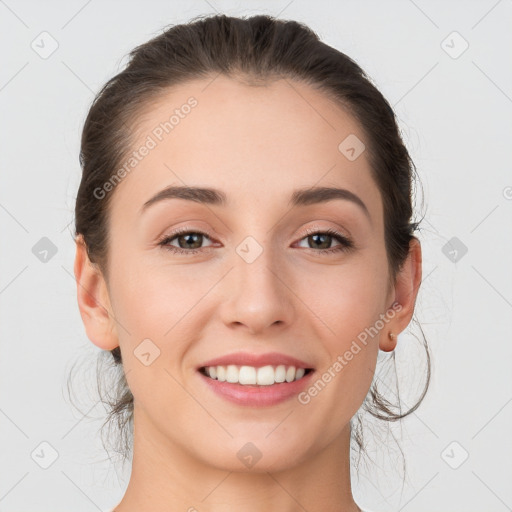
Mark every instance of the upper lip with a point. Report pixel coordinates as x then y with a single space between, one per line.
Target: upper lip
257 360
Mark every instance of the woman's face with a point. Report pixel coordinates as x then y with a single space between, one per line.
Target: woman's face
253 285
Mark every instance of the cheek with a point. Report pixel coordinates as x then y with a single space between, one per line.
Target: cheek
349 307
348 312
156 308
347 298
152 299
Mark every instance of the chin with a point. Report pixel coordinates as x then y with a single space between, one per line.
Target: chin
259 455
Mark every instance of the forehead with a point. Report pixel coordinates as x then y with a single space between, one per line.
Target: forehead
254 142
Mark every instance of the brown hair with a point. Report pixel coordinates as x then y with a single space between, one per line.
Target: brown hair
256 50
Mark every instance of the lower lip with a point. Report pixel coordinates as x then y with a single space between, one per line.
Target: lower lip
257 395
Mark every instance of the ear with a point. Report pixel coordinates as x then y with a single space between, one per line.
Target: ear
93 300
405 292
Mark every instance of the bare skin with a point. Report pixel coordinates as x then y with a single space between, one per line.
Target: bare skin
256 145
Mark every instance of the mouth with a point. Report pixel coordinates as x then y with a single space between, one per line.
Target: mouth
256 380
268 375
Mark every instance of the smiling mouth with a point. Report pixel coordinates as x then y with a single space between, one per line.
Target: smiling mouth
255 376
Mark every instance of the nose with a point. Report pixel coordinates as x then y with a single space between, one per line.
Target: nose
257 296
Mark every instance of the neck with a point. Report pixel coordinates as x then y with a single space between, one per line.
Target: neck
166 477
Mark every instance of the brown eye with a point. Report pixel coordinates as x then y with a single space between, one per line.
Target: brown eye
322 241
189 242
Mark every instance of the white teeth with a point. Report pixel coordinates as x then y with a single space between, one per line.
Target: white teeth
249 375
221 373
280 375
290 374
232 373
266 376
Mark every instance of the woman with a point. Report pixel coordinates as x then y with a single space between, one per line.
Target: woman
244 250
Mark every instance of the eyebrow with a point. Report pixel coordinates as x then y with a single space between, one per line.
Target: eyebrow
300 197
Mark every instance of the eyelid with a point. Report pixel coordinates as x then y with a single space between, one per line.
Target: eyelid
319 229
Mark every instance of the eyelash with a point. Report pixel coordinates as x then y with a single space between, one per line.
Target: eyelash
345 243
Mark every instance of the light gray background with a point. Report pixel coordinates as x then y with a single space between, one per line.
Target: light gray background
455 114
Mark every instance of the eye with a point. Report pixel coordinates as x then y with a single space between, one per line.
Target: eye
189 242
322 239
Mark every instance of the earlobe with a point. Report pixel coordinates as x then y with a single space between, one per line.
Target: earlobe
93 300
389 344
406 290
